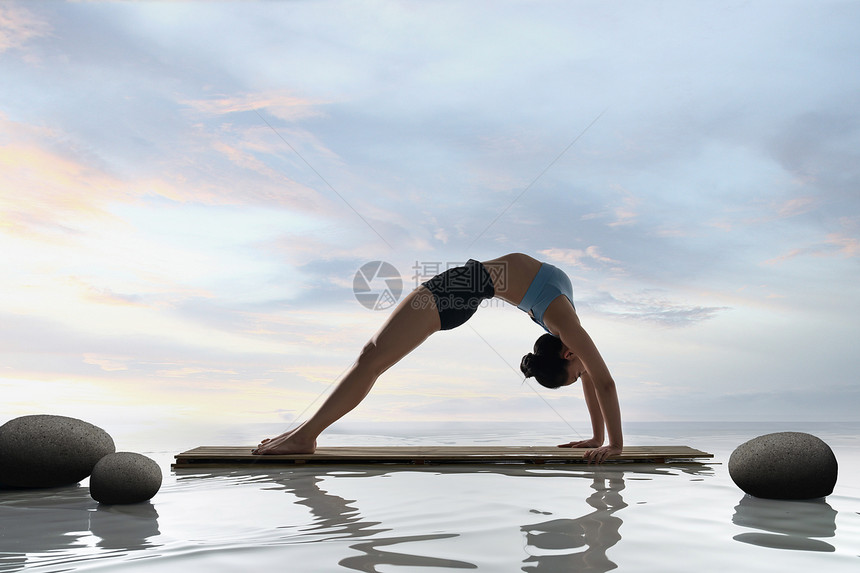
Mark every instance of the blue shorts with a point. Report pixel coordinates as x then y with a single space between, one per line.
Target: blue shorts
549 283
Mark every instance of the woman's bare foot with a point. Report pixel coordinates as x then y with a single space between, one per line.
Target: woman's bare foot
286 443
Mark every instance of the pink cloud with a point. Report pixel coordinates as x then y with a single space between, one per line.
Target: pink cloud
835 244
848 246
49 191
797 206
40 191
281 105
578 257
18 26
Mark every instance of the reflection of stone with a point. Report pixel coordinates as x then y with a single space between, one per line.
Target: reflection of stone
125 527
47 526
786 524
50 451
784 542
785 465
50 521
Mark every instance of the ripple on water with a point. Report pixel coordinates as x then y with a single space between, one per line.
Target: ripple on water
506 518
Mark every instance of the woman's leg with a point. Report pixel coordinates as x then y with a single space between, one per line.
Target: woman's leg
414 319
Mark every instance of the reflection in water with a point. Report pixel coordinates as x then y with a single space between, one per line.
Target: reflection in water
335 517
555 544
44 527
566 544
125 528
578 544
54 522
58 528
374 557
786 524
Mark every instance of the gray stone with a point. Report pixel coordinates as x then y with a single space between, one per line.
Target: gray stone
50 451
785 465
125 477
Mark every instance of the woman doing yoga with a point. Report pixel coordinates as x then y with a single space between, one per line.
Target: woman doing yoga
563 355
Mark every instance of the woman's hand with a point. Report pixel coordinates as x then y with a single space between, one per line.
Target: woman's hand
600 454
592 443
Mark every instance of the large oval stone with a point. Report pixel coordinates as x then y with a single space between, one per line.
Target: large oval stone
125 477
50 451
784 465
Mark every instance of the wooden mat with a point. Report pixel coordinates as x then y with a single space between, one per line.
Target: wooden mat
222 456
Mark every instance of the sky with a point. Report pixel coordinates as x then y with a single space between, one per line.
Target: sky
187 191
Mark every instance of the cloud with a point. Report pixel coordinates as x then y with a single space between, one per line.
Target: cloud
846 246
626 212
651 309
582 258
192 372
282 105
52 189
144 201
43 193
239 156
837 403
833 245
45 349
797 206
18 26
107 363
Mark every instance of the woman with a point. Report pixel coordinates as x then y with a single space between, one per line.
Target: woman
449 299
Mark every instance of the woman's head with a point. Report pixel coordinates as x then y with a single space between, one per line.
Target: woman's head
545 363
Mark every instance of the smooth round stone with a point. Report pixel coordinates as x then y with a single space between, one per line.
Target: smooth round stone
125 477
50 451
785 465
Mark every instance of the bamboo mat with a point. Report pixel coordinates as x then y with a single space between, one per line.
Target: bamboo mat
222 456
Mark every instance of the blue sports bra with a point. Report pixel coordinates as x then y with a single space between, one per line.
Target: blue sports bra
549 283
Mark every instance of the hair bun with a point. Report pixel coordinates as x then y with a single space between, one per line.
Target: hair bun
526 365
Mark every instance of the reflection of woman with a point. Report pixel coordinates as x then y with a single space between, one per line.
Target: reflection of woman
598 531
447 301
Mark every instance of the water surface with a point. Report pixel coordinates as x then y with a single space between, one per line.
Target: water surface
634 517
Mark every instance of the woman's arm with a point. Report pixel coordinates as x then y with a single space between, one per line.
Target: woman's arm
580 343
593 406
562 319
